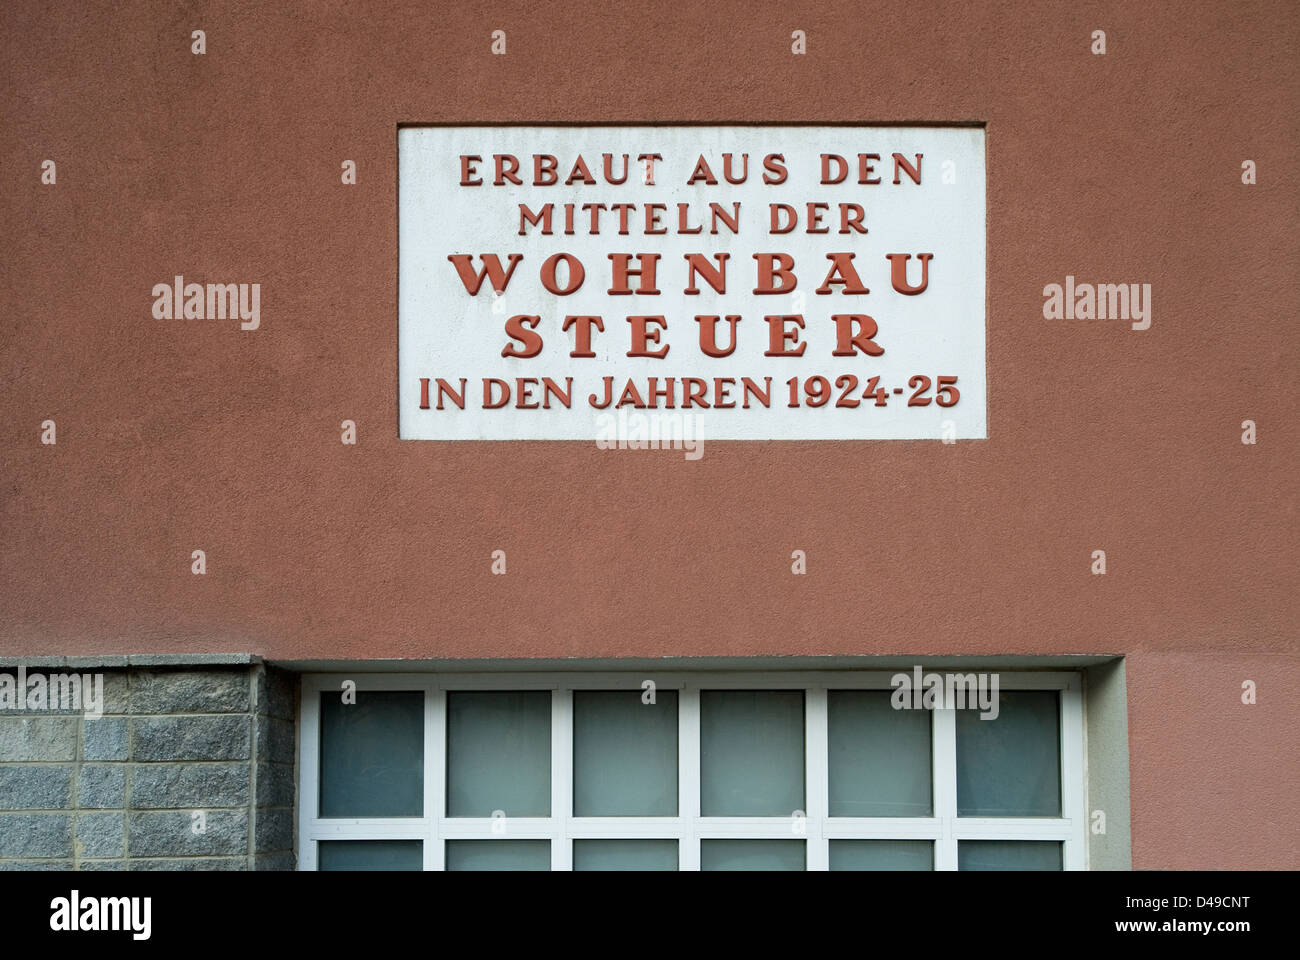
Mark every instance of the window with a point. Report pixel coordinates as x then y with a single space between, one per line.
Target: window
735 771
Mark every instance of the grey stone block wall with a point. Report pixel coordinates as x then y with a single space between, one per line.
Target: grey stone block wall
189 768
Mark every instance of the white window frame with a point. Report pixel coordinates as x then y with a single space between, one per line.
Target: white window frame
945 828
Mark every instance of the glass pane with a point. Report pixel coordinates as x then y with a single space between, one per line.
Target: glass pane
498 855
1009 855
372 754
624 754
879 756
752 854
1010 766
751 753
370 854
882 855
624 854
499 754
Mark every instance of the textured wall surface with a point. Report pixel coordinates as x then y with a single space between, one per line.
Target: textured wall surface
182 435
120 791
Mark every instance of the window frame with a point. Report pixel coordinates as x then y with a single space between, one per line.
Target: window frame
944 827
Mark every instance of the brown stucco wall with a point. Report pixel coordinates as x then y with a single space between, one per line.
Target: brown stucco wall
175 436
